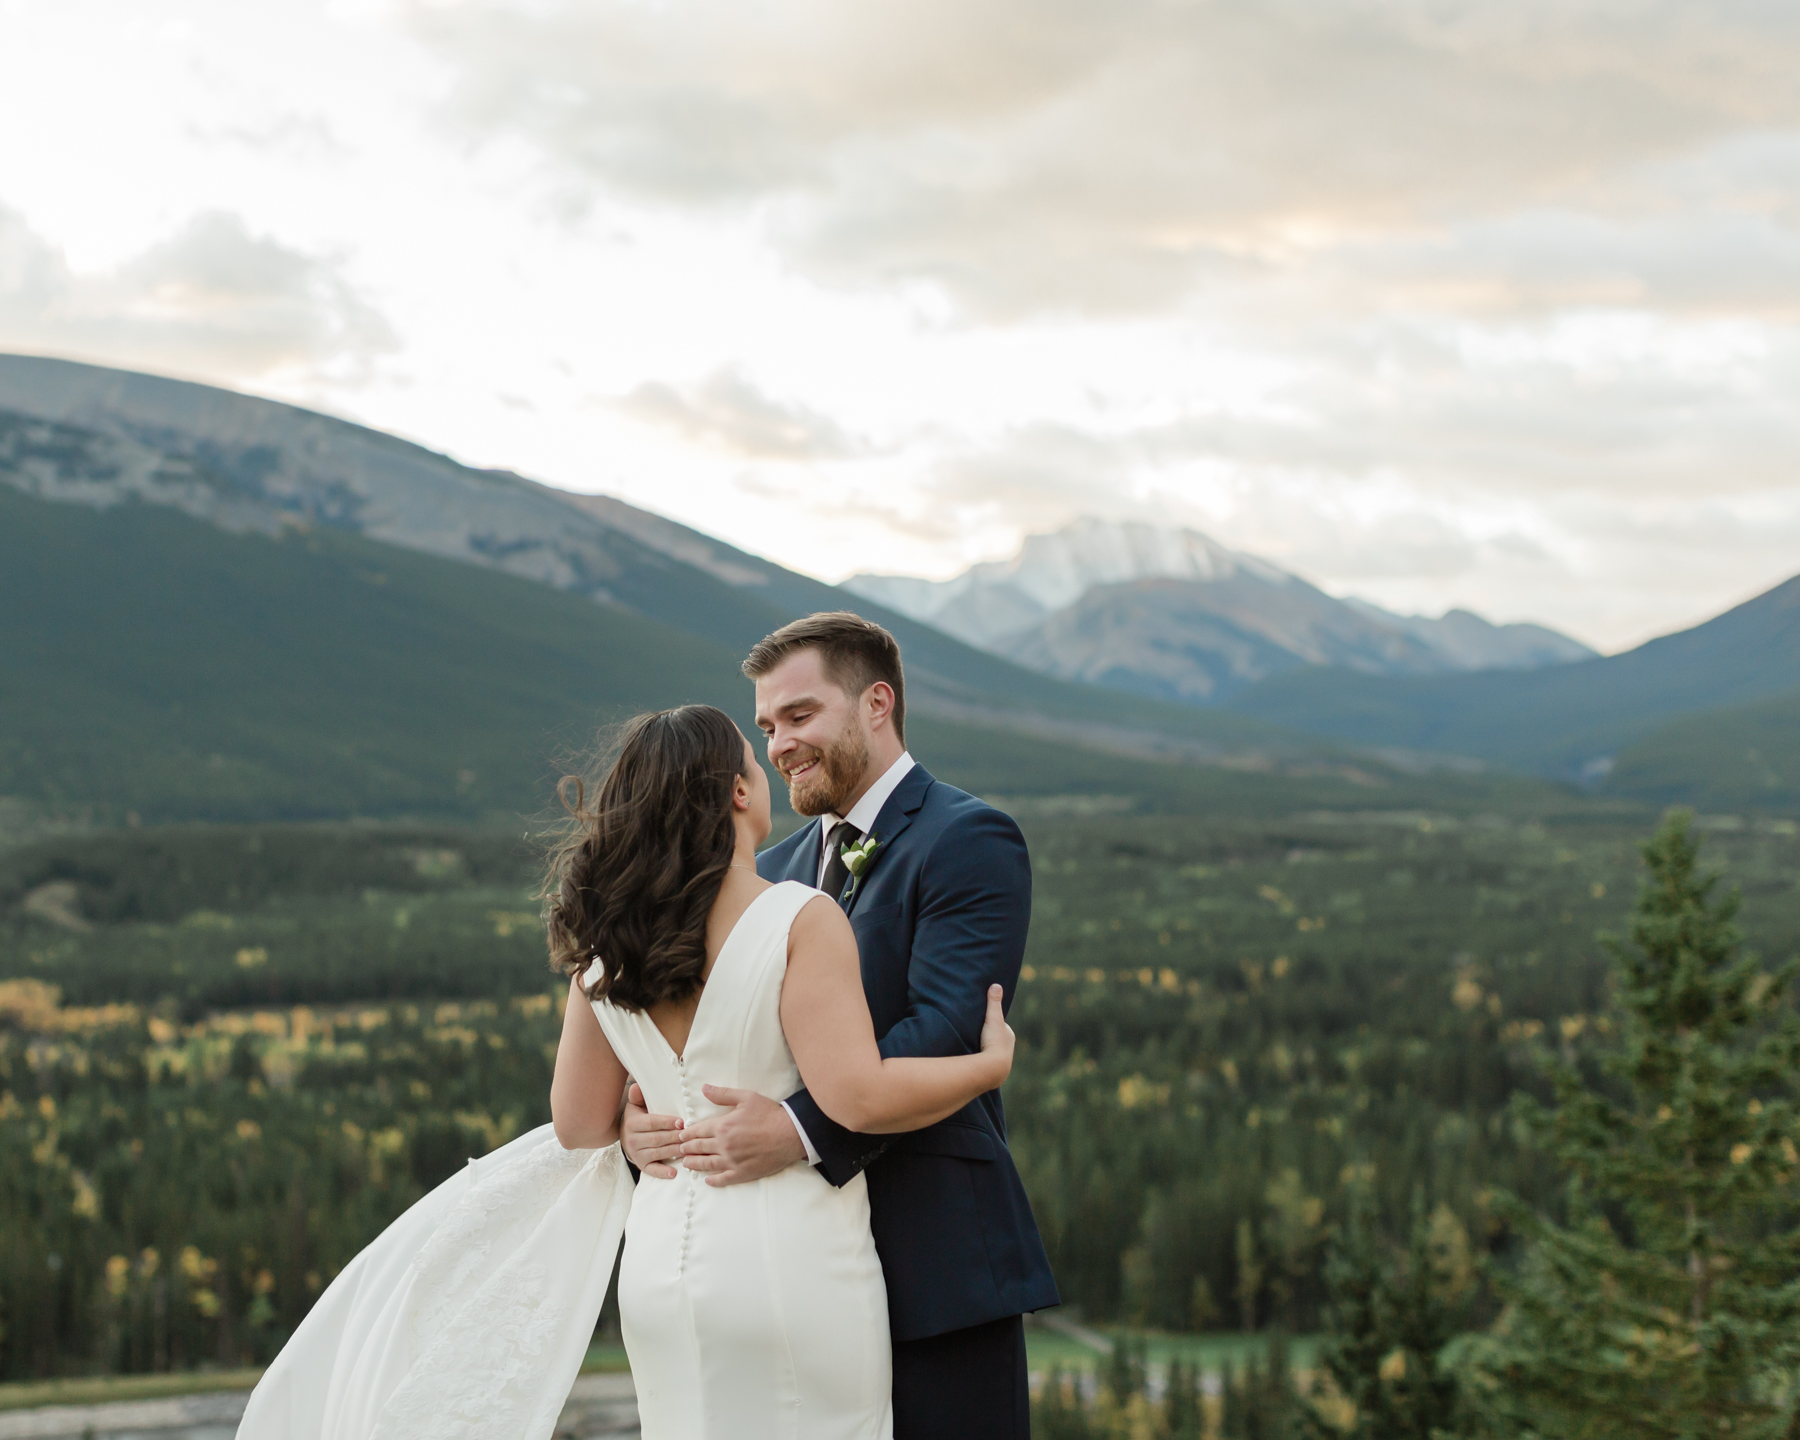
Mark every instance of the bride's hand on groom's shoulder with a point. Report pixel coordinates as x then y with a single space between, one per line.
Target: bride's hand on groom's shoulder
650 1142
996 1034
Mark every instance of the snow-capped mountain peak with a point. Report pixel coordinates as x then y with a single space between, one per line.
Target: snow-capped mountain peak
1172 612
1059 568
997 598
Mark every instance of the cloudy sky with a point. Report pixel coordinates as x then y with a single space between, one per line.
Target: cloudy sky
1433 301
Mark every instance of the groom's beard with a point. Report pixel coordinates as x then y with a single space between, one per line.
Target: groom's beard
828 786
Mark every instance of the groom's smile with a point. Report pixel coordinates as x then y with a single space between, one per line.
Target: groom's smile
819 738
823 779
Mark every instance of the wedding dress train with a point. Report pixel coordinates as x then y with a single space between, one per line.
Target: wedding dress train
749 1311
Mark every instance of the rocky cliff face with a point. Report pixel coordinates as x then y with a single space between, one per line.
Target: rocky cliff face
1183 640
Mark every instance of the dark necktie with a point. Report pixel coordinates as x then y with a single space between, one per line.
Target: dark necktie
837 873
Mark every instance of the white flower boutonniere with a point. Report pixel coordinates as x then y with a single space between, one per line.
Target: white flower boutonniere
857 859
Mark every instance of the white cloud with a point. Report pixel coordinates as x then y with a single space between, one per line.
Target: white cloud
1096 154
212 299
725 411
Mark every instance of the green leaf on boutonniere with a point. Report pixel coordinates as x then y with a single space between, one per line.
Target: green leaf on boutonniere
857 858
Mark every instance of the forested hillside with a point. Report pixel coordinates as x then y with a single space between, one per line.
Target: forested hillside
1741 757
161 667
1571 721
89 437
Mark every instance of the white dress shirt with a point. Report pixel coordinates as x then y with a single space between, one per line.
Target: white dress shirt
865 811
863 815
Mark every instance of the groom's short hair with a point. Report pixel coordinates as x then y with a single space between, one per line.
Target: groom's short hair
855 652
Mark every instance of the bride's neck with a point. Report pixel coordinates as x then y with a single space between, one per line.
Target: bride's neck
743 853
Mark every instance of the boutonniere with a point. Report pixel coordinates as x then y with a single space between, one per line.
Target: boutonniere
857 859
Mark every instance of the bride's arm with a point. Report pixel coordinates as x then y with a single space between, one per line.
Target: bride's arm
825 1016
589 1082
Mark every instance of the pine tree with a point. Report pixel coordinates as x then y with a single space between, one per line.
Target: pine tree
1123 1409
1263 1404
1357 1340
1127 1370
1275 1410
1389 1325
1059 1413
1182 1417
1232 1419
1669 1303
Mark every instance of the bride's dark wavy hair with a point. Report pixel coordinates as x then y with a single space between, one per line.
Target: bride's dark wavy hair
630 881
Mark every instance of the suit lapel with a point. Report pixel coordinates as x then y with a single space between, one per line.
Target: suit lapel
804 866
895 816
799 857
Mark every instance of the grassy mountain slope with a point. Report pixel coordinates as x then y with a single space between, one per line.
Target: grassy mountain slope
1559 720
1745 757
96 436
154 664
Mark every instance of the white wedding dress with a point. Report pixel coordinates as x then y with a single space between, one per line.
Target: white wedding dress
750 1312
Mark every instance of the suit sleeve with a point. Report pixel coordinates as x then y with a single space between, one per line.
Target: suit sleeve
974 903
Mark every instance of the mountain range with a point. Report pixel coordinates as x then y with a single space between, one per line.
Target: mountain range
224 607
100 437
1711 712
166 547
158 668
1175 615
1603 722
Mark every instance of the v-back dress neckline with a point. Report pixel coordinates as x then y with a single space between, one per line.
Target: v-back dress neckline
706 985
752 1311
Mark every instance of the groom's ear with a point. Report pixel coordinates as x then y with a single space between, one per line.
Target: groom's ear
878 699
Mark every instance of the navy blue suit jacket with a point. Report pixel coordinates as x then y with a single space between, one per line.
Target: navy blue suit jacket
939 915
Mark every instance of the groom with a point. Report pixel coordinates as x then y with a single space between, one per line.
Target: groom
937 885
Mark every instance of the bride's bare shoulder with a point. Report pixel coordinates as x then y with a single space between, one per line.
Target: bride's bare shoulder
820 922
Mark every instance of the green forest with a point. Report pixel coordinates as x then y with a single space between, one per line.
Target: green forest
230 1054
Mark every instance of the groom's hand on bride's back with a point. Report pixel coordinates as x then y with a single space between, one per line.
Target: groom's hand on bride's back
650 1142
753 1139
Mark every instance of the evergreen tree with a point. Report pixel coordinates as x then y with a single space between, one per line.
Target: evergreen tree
1232 1419
1059 1413
1123 1409
1669 1303
1127 1370
1388 1326
1275 1410
1263 1405
1357 1338
1182 1417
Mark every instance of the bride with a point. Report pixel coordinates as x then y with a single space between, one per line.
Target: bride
748 1311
